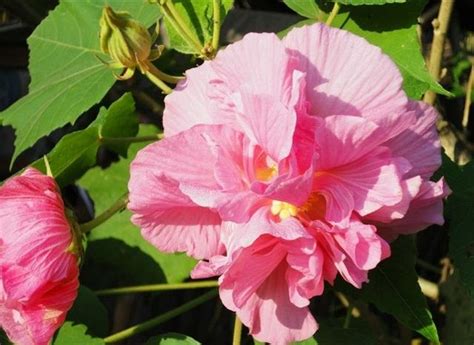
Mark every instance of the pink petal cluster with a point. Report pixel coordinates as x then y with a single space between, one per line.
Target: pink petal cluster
38 271
286 163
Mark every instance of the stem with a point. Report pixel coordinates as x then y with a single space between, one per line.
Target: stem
158 287
216 31
107 140
333 14
237 331
142 327
347 320
162 75
49 172
119 205
158 82
440 26
178 23
467 102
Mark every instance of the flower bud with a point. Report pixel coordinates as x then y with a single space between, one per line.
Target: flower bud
126 40
38 259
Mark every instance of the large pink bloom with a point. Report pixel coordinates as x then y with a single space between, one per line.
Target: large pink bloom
283 161
38 271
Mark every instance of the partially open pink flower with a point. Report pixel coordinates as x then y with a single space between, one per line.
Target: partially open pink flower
38 269
283 160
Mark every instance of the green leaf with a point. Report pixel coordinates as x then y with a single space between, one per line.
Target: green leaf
309 341
172 339
90 311
118 121
305 8
117 243
67 78
197 15
4 339
75 153
367 2
393 288
72 156
70 334
460 212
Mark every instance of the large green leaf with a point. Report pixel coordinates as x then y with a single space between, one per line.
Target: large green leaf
117 243
76 152
172 339
67 77
197 15
393 288
460 212
70 334
305 8
367 2
89 311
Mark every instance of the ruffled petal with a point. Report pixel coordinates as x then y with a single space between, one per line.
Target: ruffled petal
170 220
419 144
346 75
188 104
425 209
269 313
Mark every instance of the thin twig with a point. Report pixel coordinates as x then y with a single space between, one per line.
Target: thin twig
333 14
147 325
158 287
237 336
118 206
440 26
467 102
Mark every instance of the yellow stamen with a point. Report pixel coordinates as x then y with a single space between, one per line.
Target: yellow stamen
283 209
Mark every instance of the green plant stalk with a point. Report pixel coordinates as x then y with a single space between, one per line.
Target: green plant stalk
157 81
142 327
162 75
333 14
347 320
216 31
158 287
107 140
237 336
178 23
119 205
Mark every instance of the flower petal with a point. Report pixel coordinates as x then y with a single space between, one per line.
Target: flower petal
346 75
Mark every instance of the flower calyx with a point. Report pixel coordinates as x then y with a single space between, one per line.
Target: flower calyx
130 46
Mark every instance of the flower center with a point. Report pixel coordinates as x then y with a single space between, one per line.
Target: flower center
314 208
283 209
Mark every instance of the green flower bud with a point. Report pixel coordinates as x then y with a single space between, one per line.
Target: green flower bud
126 40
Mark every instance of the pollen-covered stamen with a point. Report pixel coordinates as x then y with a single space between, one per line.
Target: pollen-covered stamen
314 208
283 210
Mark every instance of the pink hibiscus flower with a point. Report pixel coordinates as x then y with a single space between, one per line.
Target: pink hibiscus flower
38 270
285 163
